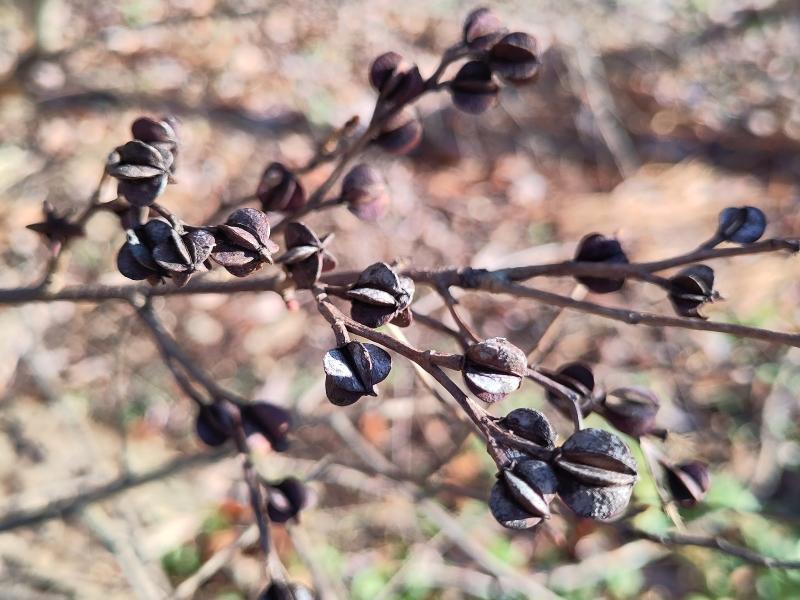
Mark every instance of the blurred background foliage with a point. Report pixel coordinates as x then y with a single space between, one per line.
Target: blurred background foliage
649 118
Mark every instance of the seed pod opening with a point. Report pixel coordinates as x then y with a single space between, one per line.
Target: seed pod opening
243 243
688 482
380 296
306 257
632 410
286 499
214 424
597 457
141 170
514 58
742 225
353 370
280 189
401 133
600 249
531 425
473 89
579 378
590 502
494 368
395 80
521 497
691 289
268 420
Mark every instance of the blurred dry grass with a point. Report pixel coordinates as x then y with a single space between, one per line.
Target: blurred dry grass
713 119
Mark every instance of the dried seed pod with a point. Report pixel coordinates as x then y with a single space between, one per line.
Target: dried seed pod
214 424
243 243
401 133
579 378
688 482
632 410
494 368
353 370
280 189
268 420
691 289
596 473
395 79
380 296
155 251
306 257
55 229
598 248
179 256
285 499
482 29
742 225
521 497
514 58
141 170
364 192
598 503
161 135
597 457
473 89
531 425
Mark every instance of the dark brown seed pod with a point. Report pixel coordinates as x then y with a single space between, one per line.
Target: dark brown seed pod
494 368
514 58
268 420
600 249
179 256
380 296
688 482
742 225
364 192
243 243
214 424
597 457
280 189
306 257
591 502
482 29
55 228
579 378
531 425
401 133
473 89
141 170
691 289
395 79
161 135
632 410
520 498
155 251
285 499
353 370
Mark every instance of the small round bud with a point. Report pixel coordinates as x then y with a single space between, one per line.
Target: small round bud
364 192
482 29
401 133
600 249
688 482
743 225
691 289
280 189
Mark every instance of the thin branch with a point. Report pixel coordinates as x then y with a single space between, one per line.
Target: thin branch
719 544
63 507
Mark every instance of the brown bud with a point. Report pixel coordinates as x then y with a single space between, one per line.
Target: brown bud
397 81
243 243
632 410
521 497
141 170
531 425
579 378
742 225
285 499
